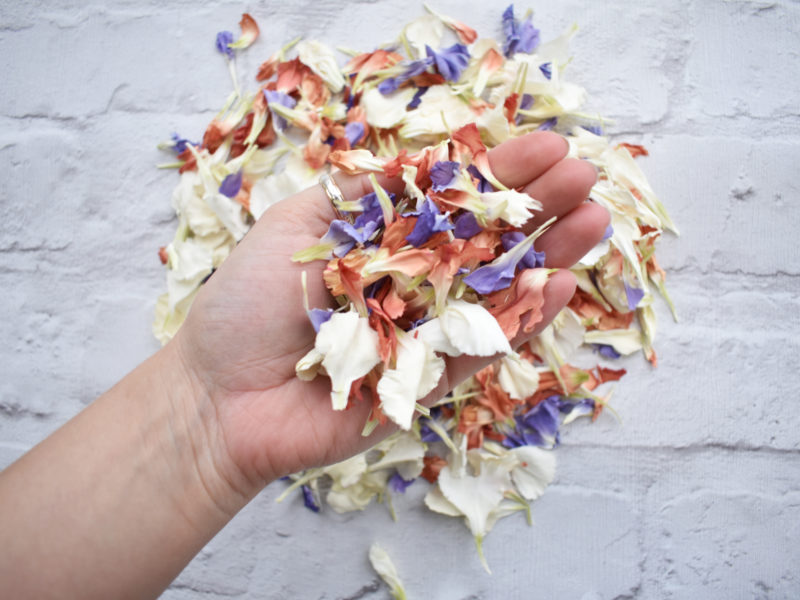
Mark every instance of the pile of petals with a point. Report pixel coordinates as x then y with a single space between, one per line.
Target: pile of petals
442 269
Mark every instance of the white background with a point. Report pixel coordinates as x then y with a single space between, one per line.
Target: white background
694 494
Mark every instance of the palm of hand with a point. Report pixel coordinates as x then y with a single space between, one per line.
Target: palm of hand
247 327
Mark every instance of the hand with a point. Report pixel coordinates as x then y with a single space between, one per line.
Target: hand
247 327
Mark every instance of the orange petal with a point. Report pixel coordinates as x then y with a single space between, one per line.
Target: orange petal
249 28
524 297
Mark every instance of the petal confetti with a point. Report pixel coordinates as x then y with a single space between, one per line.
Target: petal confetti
441 270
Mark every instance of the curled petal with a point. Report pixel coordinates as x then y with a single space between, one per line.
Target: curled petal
525 297
472 329
249 32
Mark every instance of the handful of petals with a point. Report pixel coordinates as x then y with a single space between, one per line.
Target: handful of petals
442 268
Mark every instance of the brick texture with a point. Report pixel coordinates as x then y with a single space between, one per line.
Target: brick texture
693 493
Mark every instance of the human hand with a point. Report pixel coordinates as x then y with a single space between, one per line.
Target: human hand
247 327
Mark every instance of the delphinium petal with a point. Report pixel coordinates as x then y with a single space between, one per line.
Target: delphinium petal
499 274
450 62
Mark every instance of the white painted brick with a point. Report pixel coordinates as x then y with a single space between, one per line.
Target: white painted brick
738 390
726 523
694 495
735 68
732 199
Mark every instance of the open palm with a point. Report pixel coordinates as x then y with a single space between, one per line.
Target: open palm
247 327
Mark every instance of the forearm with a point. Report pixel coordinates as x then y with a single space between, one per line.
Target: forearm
115 503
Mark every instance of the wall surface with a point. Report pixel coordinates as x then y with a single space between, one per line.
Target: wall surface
694 493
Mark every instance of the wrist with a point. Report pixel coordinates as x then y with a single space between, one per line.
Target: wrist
196 441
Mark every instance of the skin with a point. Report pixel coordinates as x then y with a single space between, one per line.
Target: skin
116 502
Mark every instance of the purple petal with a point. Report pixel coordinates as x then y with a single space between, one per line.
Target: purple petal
522 37
526 102
354 132
531 259
231 185
483 183
466 226
389 85
548 124
491 277
345 235
546 69
414 68
443 173
429 221
371 211
309 500
544 417
609 232
509 29
583 407
318 316
223 39
450 62
398 484
595 129
417 98
528 37
179 143
499 274
607 351
275 97
634 295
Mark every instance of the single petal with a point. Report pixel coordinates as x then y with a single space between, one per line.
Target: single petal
525 298
511 206
536 470
383 565
624 341
350 348
499 274
472 329
398 387
517 376
321 60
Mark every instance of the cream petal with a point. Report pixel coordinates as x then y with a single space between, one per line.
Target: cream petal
350 348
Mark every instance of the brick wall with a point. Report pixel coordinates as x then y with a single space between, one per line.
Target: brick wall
694 494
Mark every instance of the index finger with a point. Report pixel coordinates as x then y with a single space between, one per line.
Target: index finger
518 161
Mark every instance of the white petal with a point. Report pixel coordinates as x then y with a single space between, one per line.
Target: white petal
320 58
424 31
294 177
187 200
624 341
397 387
559 339
436 501
431 333
511 206
402 451
386 111
190 261
472 329
535 472
517 376
385 568
416 373
350 347
308 366
358 495
348 472
476 496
